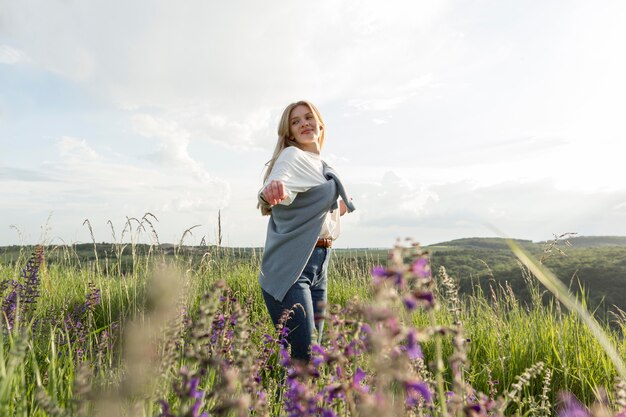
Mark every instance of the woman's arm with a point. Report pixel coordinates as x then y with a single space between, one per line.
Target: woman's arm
290 175
274 192
342 207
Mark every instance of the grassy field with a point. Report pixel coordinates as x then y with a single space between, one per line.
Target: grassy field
178 331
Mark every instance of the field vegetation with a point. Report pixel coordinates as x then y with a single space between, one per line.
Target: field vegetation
172 330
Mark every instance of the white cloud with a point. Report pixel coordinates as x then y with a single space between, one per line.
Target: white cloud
189 202
11 56
80 183
75 148
199 121
173 150
98 178
398 206
384 98
225 74
620 208
393 201
452 112
332 159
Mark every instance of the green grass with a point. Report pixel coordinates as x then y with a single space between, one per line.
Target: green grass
506 336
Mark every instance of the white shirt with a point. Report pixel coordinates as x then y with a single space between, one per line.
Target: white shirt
300 170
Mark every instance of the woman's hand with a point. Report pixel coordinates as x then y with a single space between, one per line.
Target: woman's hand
342 207
274 192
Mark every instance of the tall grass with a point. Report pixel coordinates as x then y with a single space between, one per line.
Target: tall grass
159 330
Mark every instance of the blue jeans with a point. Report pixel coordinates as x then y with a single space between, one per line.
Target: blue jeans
310 292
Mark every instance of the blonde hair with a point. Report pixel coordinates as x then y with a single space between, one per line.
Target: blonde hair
285 140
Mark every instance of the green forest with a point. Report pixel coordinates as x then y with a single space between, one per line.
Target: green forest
593 267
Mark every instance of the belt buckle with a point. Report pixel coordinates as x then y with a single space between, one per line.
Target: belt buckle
324 242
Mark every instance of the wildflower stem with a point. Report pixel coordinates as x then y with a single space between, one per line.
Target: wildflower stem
439 366
562 294
351 403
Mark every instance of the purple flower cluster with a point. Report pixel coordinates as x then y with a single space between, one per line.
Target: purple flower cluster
218 343
20 301
413 281
9 305
371 362
30 288
189 396
80 322
334 380
571 407
23 292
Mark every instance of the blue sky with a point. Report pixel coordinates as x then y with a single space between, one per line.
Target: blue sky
442 117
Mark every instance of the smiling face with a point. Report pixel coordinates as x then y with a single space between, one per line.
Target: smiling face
305 129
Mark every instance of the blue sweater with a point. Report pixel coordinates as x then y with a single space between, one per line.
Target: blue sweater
292 232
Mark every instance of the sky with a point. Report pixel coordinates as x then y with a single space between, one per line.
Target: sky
445 119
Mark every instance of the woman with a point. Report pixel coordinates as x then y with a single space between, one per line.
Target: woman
301 193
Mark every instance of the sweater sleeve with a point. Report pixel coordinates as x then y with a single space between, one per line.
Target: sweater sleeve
295 171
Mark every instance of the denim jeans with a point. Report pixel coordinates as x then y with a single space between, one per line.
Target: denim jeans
308 291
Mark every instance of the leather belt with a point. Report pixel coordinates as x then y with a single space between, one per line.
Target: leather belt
324 243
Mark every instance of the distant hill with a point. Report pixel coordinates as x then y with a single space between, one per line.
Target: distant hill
595 263
478 243
500 243
596 241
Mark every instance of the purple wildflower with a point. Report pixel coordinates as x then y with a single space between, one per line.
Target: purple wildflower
379 272
357 381
352 349
571 407
425 298
30 273
284 332
416 390
339 372
166 409
319 355
187 391
9 304
197 395
93 297
268 339
285 358
299 400
421 267
79 321
220 321
475 410
481 407
413 349
27 292
392 325
398 279
335 391
410 303
418 297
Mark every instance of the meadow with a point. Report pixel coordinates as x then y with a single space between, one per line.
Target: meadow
154 330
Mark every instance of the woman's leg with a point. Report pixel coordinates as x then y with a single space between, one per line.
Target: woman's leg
319 296
299 299
300 324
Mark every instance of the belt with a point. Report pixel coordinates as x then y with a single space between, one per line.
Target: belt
324 243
